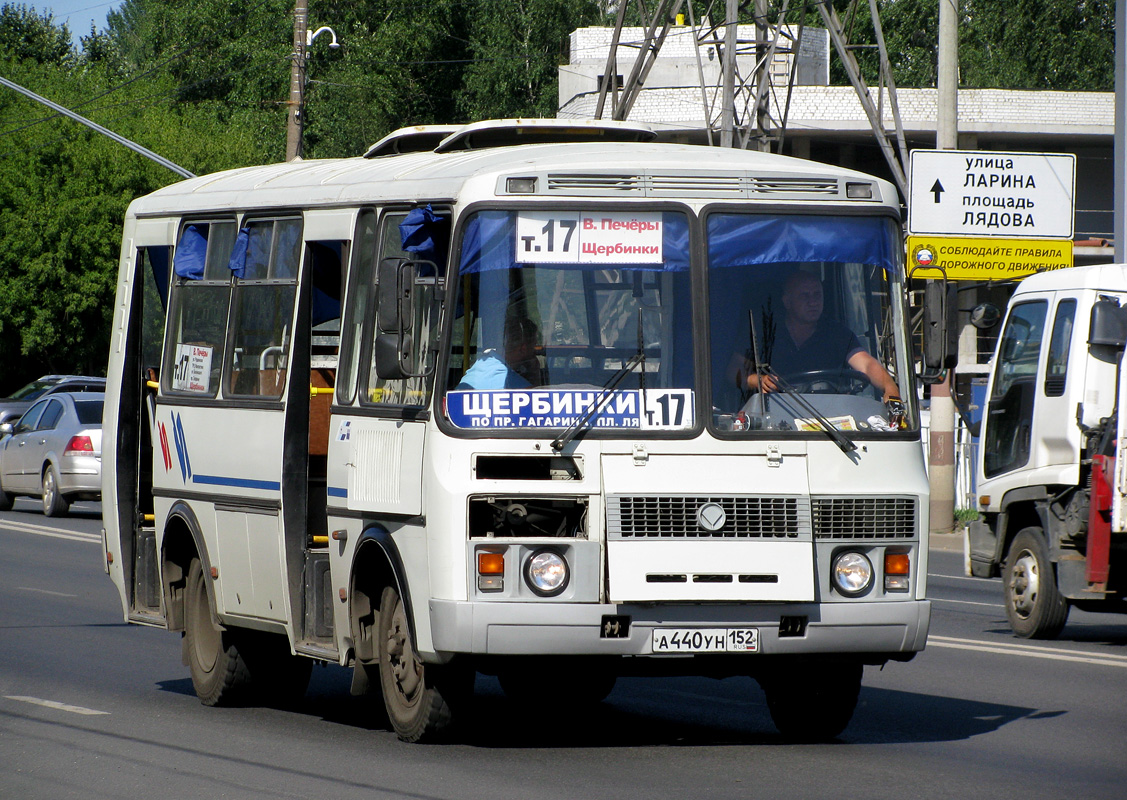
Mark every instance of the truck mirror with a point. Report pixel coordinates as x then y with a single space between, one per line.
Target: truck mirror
1108 325
985 316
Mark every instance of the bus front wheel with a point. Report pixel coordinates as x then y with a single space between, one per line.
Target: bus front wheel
418 696
813 702
219 672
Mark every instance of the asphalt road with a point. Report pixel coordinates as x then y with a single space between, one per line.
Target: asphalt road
93 708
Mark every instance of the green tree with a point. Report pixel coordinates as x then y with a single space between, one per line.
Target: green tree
25 35
518 48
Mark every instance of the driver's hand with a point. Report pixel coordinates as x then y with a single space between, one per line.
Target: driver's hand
765 383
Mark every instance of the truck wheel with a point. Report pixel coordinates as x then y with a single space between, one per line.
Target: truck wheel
6 500
812 702
1034 606
418 697
219 672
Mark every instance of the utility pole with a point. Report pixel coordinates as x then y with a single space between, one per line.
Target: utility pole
941 438
731 43
295 118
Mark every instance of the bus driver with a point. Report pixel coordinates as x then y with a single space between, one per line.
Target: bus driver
807 343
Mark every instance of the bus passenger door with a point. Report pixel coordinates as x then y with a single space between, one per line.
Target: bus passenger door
130 408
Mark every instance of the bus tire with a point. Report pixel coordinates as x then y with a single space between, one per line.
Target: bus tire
1035 607
813 702
278 677
523 686
6 500
54 503
219 672
418 697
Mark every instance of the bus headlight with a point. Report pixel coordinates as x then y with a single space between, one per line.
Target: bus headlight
852 573
546 573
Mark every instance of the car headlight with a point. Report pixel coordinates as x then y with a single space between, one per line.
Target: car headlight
852 573
546 573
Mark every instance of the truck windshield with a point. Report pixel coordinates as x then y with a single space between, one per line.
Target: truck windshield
804 317
550 304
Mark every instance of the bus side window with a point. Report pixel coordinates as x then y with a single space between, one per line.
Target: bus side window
265 264
201 297
399 231
361 305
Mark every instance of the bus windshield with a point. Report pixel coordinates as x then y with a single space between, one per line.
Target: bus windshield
551 305
804 312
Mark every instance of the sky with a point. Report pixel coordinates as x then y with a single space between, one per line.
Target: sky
77 14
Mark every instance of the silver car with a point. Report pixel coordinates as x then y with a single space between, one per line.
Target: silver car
54 451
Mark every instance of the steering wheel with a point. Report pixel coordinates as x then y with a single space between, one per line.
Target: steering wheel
828 381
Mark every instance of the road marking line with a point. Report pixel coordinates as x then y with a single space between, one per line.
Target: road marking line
54 704
965 602
45 591
55 533
1029 651
934 576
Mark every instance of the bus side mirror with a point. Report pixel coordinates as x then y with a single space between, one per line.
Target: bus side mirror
940 330
1107 326
399 280
396 282
394 307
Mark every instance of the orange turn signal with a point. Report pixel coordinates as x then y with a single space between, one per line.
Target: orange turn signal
490 563
896 564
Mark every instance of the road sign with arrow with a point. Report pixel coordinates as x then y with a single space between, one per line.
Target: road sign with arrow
988 193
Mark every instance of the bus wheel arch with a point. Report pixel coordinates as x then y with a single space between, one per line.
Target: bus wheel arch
375 566
182 542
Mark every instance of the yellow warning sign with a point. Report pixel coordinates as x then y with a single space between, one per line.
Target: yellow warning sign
980 259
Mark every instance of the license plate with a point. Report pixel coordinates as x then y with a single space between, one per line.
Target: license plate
705 640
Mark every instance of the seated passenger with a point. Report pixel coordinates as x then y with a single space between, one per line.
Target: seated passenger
519 369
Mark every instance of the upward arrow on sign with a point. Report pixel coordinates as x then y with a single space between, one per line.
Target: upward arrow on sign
937 189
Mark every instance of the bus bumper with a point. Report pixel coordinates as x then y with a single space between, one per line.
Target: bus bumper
578 629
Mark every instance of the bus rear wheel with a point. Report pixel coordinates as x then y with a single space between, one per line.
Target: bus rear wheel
419 697
813 702
219 672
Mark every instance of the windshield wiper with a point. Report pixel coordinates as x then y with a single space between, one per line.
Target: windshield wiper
784 388
605 394
840 439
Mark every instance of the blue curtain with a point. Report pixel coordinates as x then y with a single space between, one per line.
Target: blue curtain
191 252
737 240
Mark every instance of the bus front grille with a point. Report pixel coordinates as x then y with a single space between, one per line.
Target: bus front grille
864 517
672 517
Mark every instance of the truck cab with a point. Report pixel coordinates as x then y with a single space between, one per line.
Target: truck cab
1051 413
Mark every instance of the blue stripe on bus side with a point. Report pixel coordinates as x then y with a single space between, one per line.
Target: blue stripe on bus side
241 483
335 492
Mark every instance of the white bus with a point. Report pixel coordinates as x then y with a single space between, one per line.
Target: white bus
523 404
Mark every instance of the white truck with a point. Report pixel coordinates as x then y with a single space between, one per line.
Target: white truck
1053 521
